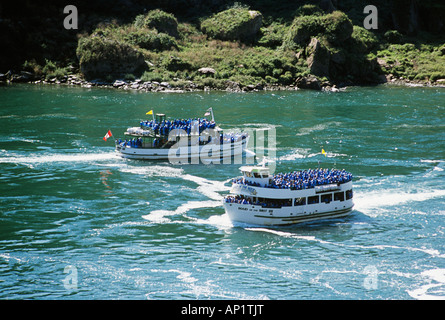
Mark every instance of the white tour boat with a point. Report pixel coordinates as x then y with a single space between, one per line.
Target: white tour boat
181 141
260 198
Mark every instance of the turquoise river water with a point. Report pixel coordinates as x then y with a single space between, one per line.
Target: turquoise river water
79 222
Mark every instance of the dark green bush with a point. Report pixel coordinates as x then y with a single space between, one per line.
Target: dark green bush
393 36
272 35
160 20
309 10
364 40
151 40
437 75
49 67
232 24
100 56
173 63
334 27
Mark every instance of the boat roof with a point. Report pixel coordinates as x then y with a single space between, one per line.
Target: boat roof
254 169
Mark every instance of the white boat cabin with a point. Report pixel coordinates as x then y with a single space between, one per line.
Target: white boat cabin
256 175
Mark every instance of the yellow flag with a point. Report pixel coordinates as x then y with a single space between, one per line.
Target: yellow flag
150 112
323 152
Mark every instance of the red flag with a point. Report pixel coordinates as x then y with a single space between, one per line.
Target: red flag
109 134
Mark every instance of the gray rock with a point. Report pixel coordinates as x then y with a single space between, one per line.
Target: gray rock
119 83
206 70
318 58
232 86
309 82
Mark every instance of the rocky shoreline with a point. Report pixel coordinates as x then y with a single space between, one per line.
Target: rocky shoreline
309 82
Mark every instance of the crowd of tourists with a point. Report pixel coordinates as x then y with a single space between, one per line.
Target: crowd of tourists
164 127
225 138
266 203
134 143
305 179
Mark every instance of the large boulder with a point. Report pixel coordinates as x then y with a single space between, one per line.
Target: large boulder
233 24
318 58
308 82
100 57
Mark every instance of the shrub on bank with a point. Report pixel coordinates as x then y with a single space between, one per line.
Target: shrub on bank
160 20
334 27
100 56
363 40
415 62
393 36
150 39
272 36
233 24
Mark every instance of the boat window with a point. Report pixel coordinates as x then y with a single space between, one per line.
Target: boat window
265 175
339 196
256 175
313 199
273 203
300 201
348 194
248 174
326 198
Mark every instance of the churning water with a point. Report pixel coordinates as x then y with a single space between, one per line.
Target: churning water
79 222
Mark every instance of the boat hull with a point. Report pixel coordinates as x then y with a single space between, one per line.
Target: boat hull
203 153
257 214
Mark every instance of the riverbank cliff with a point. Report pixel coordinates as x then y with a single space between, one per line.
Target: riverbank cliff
221 45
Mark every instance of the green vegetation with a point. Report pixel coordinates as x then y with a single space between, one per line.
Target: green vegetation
334 28
252 43
157 19
100 55
414 62
233 24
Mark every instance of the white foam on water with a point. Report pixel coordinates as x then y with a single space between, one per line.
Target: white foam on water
192 285
209 188
304 153
432 252
53 158
318 127
431 161
182 275
153 171
161 216
286 234
368 202
434 289
296 154
221 221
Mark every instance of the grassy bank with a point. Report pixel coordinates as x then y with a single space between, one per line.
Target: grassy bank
241 47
